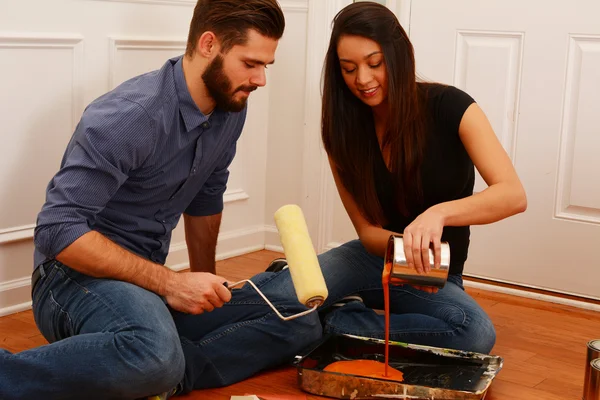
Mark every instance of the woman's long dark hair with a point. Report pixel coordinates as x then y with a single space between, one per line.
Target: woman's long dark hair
348 128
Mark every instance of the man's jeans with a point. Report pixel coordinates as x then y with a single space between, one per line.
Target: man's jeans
114 340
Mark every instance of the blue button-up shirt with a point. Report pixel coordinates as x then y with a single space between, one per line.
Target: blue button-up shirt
141 155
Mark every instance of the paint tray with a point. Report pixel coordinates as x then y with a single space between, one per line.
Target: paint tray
429 372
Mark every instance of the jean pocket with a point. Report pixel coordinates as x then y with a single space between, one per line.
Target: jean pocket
52 320
50 316
43 284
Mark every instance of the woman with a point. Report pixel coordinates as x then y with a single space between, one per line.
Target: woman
402 154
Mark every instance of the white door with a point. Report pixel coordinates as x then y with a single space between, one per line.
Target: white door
534 68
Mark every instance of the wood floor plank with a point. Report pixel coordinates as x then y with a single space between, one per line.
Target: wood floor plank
542 344
503 390
573 390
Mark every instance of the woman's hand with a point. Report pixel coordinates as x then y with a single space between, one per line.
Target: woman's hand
426 229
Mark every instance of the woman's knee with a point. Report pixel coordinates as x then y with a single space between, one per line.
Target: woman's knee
479 336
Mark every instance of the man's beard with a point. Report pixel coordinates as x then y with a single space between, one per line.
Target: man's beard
219 87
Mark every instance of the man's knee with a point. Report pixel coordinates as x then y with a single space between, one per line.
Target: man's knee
155 361
305 331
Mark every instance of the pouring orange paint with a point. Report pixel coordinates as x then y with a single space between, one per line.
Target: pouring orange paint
371 368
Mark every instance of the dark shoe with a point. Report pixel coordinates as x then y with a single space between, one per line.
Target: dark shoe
278 264
348 299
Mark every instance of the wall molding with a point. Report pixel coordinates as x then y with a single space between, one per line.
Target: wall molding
117 43
532 295
294 5
25 232
161 2
40 40
15 309
15 284
513 41
403 11
235 195
332 245
17 233
286 5
563 208
14 292
45 41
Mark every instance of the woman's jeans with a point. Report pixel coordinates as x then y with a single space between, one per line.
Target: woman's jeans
114 340
449 318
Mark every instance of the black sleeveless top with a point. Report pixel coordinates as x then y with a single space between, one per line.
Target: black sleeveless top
447 172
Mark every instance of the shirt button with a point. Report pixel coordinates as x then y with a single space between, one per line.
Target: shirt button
194 170
205 125
164 221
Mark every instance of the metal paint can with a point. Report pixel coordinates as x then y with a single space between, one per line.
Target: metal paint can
402 274
593 355
591 388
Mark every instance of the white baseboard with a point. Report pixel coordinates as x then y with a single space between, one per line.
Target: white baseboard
15 309
272 241
332 245
15 296
533 295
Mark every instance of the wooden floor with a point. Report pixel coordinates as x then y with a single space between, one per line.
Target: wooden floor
542 344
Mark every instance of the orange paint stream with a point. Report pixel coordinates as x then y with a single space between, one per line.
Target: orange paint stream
370 368
385 280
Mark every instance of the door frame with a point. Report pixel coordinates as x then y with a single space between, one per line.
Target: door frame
318 188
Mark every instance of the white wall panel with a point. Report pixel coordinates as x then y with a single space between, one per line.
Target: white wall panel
488 67
578 194
41 87
130 57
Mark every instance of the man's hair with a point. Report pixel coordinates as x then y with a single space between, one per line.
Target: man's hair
230 21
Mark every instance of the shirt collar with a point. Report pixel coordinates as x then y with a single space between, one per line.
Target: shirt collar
191 114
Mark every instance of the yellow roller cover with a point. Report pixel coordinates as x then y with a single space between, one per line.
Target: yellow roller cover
300 254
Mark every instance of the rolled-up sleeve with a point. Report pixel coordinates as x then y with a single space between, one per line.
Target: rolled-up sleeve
113 137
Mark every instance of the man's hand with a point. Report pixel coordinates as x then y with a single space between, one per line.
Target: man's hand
196 292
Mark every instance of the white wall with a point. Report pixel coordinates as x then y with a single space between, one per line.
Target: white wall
58 55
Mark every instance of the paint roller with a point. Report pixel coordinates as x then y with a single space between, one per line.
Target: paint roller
302 260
